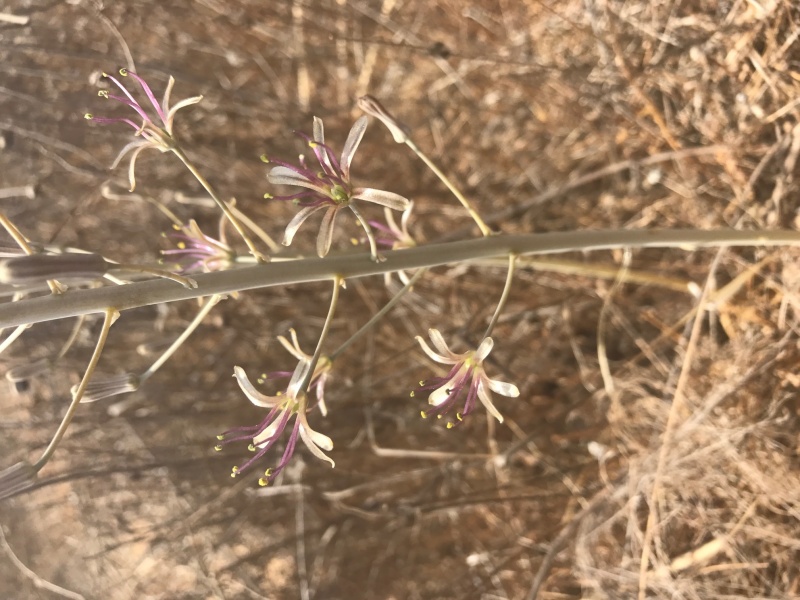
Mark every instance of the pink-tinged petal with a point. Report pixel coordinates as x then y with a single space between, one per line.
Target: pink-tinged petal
286 176
297 221
325 236
351 145
388 199
148 92
251 392
501 387
314 441
484 349
433 355
486 399
438 341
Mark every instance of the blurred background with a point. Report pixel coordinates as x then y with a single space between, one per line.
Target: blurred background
550 116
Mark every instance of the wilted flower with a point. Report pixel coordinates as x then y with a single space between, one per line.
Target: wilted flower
395 237
197 251
329 189
282 409
153 132
371 106
467 373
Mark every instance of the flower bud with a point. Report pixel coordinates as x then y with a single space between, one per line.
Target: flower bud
371 106
36 268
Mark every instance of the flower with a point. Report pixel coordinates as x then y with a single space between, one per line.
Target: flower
197 251
150 133
395 237
282 409
329 189
468 373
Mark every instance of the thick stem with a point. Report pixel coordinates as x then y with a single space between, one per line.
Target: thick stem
145 293
110 316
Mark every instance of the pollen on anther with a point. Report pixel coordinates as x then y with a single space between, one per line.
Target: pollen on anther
264 158
123 71
268 196
422 414
251 448
412 394
263 482
218 448
450 425
88 116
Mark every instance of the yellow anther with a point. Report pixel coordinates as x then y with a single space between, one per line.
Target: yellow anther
312 144
251 448
354 241
268 196
459 416
88 116
235 470
411 394
181 246
422 414
103 94
263 482
123 71
268 472
438 416
218 448
450 425
233 474
264 158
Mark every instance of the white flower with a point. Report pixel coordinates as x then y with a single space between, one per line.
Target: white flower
467 373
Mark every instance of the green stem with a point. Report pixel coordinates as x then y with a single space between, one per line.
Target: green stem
110 316
346 266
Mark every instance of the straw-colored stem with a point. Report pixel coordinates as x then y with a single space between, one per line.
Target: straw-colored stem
337 284
512 259
110 316
222 205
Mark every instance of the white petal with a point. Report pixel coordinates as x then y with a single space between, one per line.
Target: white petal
501 387
351 145
438 340
300 372
294 350
132 165
314 441
167 94
389 199
484 349
435 356
182 104
486 398
298 220
251 392
325 236
262 439
439 395
286 176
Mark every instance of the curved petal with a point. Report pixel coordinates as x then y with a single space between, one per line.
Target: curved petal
351 145
325 236
132 165
438 340
251 392
176 108
434 355
501 387
263 438
293 349
388 199
439 395
314 441
297 221
484 349
486 399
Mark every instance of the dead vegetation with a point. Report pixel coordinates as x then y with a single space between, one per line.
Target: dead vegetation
651 454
